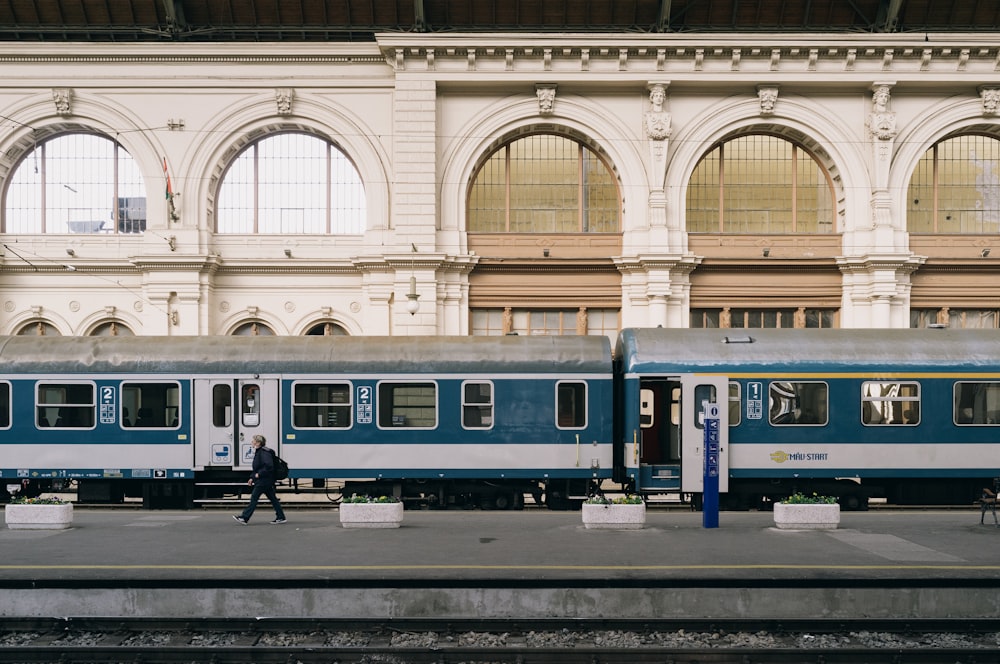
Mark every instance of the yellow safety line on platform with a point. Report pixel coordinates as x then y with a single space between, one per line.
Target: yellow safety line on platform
558 568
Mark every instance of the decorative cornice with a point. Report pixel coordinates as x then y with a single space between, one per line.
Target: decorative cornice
717 55
900 263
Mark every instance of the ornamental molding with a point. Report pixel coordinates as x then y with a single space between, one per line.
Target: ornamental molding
677 263
719 55
901 263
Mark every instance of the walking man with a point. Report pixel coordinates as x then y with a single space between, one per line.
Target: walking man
262 481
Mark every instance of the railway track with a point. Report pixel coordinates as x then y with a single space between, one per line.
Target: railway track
87 641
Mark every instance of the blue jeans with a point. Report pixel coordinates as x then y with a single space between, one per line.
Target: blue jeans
268 490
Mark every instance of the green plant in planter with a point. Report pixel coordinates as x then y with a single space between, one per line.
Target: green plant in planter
627 499
355 498
800 498
40 500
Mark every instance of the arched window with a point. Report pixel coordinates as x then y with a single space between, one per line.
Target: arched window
76 183
544 183
326 330
955 187
253 329
39 328
112 329
292 183
760 184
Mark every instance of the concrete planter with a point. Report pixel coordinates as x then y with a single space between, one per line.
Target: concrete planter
614 516
38 517
371 515
807 516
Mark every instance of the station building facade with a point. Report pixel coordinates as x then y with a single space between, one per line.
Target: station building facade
459 184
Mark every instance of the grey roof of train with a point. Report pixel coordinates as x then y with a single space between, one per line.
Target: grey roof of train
219 354
705 350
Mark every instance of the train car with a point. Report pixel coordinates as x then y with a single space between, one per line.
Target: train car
912 416
441 420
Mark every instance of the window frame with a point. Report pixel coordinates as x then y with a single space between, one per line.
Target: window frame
956 403
826 400
47 181
6 405
869 399
334 211
583 225
578 400
59 406
491 404
379 402
348 405
130 383
727 215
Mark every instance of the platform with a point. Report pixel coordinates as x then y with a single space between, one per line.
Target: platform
439 563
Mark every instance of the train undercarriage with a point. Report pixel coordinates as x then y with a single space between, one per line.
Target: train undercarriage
559 494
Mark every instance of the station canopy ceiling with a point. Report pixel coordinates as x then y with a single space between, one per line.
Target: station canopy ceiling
360 20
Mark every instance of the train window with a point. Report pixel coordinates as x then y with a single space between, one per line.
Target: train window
890 403
977 403
407 405
797 403
321 405
150 405
222 405
65 405
477 405
4 405
703 394
735 404
250 404
571 405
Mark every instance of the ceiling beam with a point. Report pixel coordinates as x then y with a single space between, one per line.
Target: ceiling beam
663 20
174 12
419 17
890 20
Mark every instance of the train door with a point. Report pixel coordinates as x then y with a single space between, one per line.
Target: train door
228 413
696 392
660 434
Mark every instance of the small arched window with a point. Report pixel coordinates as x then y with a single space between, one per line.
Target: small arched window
326 330
76 183
760 184
955 187
39 328
253 329
292 183
112 329
544 183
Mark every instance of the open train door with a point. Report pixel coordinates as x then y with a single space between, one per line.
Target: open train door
228 413
696 392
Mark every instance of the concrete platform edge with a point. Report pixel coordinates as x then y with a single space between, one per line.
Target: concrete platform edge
630 603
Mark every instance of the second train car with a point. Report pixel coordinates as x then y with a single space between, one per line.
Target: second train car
909 415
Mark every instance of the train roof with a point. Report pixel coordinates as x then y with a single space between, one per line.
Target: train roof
311 354
730 350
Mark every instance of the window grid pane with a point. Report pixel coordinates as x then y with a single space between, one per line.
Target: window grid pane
760 184
962 175
292 183
544 184
75 183
764 318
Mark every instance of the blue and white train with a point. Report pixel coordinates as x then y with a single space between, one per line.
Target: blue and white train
909 415
477 420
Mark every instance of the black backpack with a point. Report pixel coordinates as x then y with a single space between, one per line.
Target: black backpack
280 467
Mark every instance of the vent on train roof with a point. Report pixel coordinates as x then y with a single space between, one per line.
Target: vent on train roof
737 340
